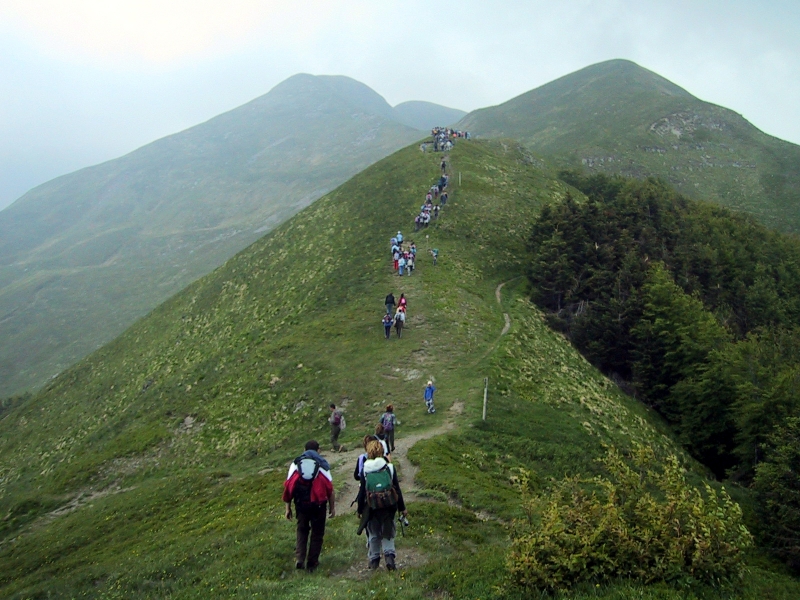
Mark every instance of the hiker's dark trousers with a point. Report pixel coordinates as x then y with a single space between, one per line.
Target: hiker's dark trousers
335 431
313 520
390 439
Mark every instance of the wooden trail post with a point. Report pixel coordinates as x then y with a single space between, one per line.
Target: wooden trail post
485 395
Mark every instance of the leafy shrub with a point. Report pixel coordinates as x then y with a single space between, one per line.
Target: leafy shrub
642 521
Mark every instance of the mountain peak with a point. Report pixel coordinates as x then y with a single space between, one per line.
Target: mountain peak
617 117
344 88
627 73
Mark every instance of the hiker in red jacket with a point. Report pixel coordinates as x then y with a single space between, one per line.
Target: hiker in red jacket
310 485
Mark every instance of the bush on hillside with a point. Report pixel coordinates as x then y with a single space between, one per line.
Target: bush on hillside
777 485
642 521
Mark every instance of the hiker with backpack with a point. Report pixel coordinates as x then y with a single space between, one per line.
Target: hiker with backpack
428 395
389 422
309 485
379 499
387 325
399 321
337 423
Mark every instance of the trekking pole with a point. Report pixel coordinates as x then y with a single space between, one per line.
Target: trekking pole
403 523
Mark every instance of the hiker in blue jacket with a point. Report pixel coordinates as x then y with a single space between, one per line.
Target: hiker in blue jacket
429 390
388 321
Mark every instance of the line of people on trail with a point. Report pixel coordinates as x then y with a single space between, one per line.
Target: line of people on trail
309 486
309 482
437 192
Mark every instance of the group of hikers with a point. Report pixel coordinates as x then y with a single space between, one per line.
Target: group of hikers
404 259
309 483
309 486
392 317
444 138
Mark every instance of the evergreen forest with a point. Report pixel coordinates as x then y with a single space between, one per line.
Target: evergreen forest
694 310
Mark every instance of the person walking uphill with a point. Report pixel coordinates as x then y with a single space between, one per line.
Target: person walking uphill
387 325
337 426
390 303
310 485
379 499
399 321
389 422
429 390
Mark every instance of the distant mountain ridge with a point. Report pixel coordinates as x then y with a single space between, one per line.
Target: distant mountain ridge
617 117
426 115
84 255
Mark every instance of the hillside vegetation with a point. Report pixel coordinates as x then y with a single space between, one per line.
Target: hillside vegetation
85 255
153 467
616 117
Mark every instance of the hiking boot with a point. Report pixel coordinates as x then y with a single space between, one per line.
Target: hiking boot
299 566
390 566
311 568
374 563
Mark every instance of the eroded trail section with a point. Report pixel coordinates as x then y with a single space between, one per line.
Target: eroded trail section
499 298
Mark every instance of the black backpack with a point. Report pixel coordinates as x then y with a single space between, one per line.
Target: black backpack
302 487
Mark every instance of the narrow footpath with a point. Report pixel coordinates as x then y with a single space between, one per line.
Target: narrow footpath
343 463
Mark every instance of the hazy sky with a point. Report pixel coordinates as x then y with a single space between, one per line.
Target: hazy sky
82 81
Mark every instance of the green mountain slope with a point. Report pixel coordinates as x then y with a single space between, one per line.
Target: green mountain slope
426 115
616 117
153 467
83 256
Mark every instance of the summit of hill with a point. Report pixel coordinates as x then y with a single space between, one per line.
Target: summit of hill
84 255
154 466
617 117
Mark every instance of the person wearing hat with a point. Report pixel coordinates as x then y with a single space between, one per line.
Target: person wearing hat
429 390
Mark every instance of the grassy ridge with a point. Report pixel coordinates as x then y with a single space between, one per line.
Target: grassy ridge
179 431
85 255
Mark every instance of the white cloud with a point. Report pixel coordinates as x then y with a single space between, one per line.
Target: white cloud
166 31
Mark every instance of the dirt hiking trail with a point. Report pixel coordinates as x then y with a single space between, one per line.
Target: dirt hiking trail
343 463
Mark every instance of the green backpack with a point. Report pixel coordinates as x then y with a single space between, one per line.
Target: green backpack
380 491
